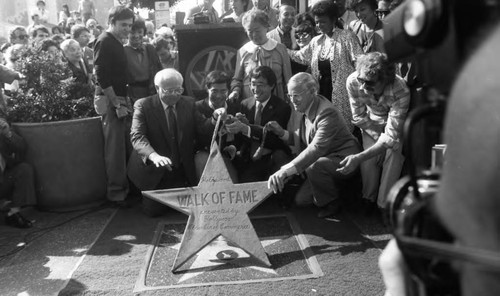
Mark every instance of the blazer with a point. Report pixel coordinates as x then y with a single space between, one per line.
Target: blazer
275 34
149 133
277 110
327 134
207 128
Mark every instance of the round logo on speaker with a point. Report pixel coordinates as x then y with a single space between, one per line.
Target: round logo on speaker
219 57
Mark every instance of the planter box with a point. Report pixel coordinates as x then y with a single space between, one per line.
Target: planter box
68 158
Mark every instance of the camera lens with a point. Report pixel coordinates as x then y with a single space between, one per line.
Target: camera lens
414 18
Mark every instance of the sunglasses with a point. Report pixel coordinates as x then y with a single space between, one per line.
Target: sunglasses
369 83
302 35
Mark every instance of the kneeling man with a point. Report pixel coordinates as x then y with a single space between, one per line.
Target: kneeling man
163 134
322 139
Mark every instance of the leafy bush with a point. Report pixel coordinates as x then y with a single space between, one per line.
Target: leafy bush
49 92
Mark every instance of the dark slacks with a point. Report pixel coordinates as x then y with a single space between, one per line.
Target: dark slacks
117 149
18 185
171 179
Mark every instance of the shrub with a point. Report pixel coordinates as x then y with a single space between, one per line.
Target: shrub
49 92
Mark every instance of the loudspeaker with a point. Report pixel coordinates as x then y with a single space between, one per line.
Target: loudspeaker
207 47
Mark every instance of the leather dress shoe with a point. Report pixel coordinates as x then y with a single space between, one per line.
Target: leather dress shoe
331 209
17 220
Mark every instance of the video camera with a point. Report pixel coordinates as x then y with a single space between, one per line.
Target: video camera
436 36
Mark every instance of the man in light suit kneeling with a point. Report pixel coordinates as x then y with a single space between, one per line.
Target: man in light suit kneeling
321 139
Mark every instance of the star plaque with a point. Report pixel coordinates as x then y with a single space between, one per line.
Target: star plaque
216 207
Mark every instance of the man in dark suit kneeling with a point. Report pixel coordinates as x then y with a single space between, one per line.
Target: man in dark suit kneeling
163 134
267 152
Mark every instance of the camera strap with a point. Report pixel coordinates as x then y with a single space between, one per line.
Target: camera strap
450 252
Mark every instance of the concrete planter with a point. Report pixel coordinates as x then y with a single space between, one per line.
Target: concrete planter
68 157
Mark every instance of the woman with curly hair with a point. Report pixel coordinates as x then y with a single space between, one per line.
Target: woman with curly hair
331 56
368 27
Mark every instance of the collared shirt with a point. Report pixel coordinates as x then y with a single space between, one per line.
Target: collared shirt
137 63
389 110
211 105
248 132
250 56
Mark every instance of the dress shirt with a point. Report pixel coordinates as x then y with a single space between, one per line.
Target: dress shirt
248 132
388 110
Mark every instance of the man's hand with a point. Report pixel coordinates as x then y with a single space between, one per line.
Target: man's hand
393 268
5 128
122 111
160 161
275 128
220 112
236 127
373 131
242 117
233 96
277 181
349 164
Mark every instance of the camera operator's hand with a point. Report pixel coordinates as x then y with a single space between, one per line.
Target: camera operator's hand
275 128
5 128
236 127
393 269
349 164
221 112
160 161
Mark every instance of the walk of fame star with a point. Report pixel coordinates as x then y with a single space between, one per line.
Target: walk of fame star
216 207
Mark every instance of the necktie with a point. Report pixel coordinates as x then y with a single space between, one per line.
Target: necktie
258 55
3 164
303 138
258 114
172 129
286 39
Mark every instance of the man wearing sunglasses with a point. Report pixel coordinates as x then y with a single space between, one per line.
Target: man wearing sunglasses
164 132
18 35
379 102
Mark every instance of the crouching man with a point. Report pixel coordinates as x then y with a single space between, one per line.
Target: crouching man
322 140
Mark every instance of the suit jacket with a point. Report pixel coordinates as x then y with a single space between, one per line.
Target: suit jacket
327 134
203 107
275 34
149 134
277 110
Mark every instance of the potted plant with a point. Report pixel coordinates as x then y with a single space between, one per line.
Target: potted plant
56 117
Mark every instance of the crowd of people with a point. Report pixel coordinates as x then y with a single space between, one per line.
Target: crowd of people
312 101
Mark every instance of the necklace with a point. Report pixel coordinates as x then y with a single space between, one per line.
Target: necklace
325 49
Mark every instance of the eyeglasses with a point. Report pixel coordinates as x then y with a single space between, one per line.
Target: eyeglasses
291 96
172 91
369 83
302 35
